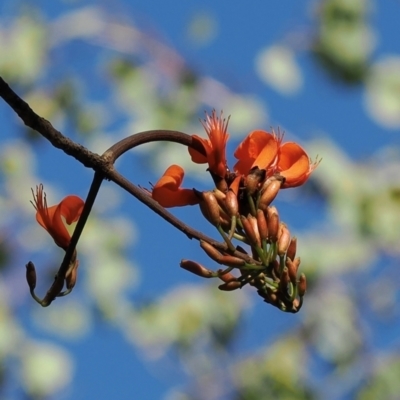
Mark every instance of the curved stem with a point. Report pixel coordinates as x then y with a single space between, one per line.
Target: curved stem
137 139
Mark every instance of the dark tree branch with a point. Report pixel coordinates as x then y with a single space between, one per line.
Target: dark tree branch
46 129
104 168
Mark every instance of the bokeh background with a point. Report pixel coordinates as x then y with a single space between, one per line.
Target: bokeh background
327 73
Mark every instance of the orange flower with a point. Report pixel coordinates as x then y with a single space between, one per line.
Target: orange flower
214 147
258 149
265 151
294 164
167 190
51 218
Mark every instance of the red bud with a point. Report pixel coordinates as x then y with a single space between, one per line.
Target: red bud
302 287
229 286
196 268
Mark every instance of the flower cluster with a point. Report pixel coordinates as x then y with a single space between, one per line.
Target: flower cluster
240 207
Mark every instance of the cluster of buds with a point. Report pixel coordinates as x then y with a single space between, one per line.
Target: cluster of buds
245 213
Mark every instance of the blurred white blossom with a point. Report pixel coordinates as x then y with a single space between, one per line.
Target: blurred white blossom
46 368
382 95
277 67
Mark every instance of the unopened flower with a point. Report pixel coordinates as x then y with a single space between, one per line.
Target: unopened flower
211 251
262 224
291 251
283 239
269 191
231 203
196 268
52 218
302 285
167 190
292 269
251 229
226 276
214 147
209 207
273 223
230 286
31 275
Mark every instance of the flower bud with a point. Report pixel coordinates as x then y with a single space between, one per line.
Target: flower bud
269 191
231 204
209 207
253 222
196 268
31 275
292 268
262 224
227 276
302 286
283 239
232 261
220 196
230 286
291 251
248 229
284 280
211 251
273 224
70 277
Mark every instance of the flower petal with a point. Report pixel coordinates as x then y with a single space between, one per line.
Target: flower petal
167 190
258 149
195 155
293 164
71 208
234 186
57 229
214 146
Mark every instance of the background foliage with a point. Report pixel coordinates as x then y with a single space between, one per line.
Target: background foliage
328 74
